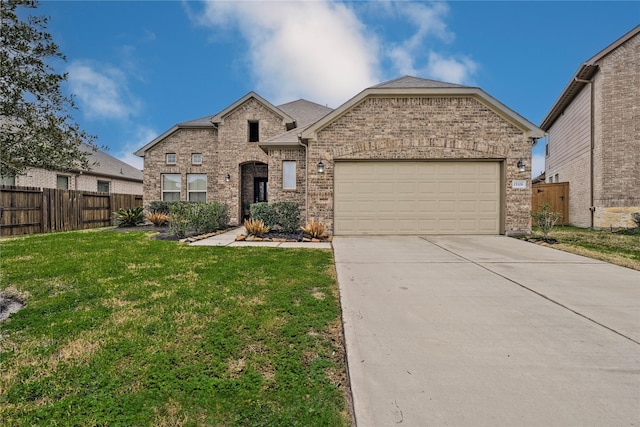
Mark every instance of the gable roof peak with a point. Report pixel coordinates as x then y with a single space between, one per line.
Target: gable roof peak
406 82
285 117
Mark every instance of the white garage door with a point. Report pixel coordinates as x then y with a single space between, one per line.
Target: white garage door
417 198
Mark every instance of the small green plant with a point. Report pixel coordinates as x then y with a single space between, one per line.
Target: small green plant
130 217
159 206
264 212
283 216
288 216
255 227
314 228
546 219
158 218
194 218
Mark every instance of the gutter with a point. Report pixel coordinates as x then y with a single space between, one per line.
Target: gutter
592 208
306 177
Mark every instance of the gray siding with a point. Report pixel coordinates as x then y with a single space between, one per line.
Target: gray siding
569 158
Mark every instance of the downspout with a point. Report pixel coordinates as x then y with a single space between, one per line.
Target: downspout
592 208
306 178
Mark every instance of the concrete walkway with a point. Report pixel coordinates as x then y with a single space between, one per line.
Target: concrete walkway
229 239
487 331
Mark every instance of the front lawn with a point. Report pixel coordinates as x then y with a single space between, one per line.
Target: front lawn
121 330
617 248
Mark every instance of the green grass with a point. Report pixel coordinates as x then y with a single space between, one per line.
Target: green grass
121 330
621 248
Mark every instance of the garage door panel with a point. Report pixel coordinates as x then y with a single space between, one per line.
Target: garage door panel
426 206
427 188
488 225
417 197
447 206
487 187
468 206
488 206
447 169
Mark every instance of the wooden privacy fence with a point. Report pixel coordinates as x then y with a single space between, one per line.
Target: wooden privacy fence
29 210
556 194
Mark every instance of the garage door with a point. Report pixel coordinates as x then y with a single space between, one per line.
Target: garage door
417 198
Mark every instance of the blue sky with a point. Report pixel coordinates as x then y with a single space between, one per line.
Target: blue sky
136 68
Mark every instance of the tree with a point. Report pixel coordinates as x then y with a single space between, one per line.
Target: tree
546 219
36 128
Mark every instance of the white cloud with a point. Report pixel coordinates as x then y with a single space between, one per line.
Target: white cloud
323 51
418 54
318 50
452 70
102 94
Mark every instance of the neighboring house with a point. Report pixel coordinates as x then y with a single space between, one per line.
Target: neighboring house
407 156
594 137
108 175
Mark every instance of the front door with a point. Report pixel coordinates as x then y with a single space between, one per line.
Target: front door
260 190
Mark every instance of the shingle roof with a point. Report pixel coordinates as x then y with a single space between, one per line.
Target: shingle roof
305 112
110 166
202 121
407 82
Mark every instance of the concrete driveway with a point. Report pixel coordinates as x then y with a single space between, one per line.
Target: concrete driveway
487 331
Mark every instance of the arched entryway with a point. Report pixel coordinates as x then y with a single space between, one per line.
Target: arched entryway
254 185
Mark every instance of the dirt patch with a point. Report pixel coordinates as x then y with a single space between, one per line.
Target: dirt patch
10 302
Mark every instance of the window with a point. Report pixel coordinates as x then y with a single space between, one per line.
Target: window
103 186
546 149
170 187
197 187
196 159
8 180
62 182
171 158
289 175
254 131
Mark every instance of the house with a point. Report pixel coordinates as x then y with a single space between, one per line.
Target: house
108 175
407 156
594 137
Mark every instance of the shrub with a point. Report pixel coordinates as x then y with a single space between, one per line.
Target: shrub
159 206
287 216
255 227
284 216
314 228
190 219
264 212
158 218
130 217
636 218
546 219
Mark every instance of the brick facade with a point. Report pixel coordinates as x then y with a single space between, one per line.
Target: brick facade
617 136
462 125
276 191
422 128
225 149
86 181
594 139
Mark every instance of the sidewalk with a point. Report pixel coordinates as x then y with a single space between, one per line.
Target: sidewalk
229 239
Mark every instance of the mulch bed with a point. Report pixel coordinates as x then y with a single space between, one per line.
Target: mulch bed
540 240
